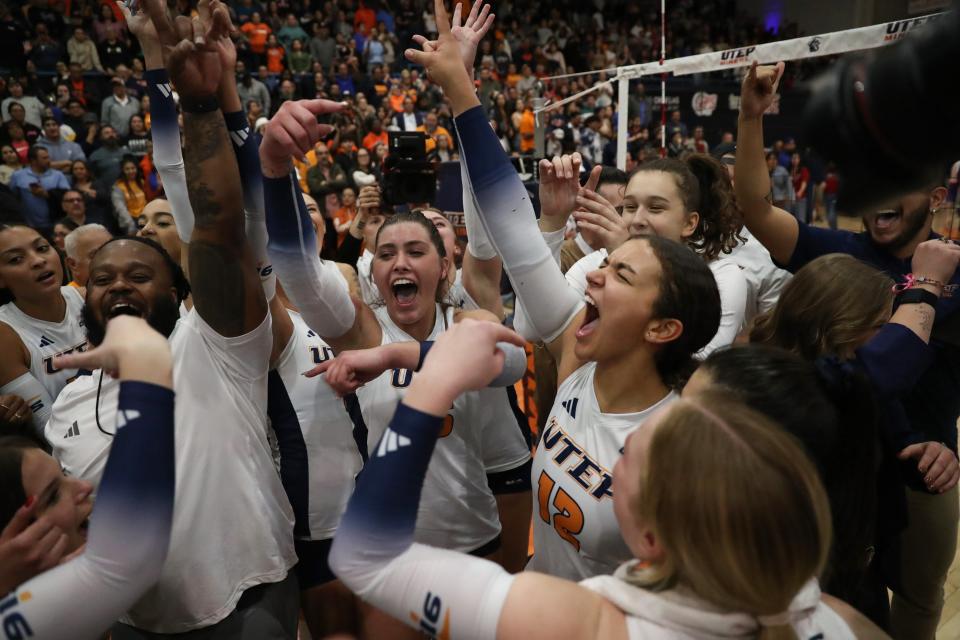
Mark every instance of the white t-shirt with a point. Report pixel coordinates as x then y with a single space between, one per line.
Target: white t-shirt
457 509
45 340
764 279
731 283
310 408
575 532
232 523
678 614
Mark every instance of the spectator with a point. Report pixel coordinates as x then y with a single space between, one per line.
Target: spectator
109 24
375 135
288 91
61 230
86 93
699 144
256 32
11 40
245 9
344 216
527 81
138 138
13 137
433 130
374 50
275 54
113 53
365 18
364 173
79 247
489 85
831 189
800 177
18 116
290 31
251 89
676 125
299 61
38 185
128 195
323 48
45 52
105 161
11 163
117 109
32 106
408 119
82 51
325 178
62 152
344 80
96 200
782 193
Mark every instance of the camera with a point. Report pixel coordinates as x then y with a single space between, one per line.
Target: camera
408 177
889 119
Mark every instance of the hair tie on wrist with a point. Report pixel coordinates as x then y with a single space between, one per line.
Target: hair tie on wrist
199 104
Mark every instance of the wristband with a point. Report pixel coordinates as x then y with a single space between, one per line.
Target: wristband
917 296
199 104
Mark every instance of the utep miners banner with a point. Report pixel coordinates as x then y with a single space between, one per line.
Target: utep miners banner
826 44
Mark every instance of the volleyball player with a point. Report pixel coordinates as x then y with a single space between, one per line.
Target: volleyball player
696 572
122 555
39 320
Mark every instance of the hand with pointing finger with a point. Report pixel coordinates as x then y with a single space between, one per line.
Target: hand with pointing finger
292 132
759 89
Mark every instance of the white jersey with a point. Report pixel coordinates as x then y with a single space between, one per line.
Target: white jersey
731 283
481 435
765 280
457 295
312 422
680 615
232 524
45 340
575 533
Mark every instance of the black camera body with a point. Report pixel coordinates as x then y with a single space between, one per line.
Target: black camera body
889 119
408 177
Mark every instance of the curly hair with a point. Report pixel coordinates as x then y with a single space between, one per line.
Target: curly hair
704 187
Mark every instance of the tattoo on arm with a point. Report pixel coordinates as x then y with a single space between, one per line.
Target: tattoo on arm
926 316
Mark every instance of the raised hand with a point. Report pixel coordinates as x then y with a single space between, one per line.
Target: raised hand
140 26
189 46
599 222
292 132
936 259
559 186
443 62
465 357
131 349
759 88
468 35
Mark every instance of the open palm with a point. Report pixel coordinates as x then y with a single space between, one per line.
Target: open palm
467 35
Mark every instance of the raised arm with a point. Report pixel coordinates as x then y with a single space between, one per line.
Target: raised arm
501 200
315 286
775 228
164 128
225 284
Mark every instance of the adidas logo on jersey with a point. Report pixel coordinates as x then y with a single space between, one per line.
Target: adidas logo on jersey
390 442
73 431
126 417
571 406
45 341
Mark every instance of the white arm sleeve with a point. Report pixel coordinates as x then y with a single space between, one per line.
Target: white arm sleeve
316 286
507 215
521 322
733 305
478 242
167 154
30 389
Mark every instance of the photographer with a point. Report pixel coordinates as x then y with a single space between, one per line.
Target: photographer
916 569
